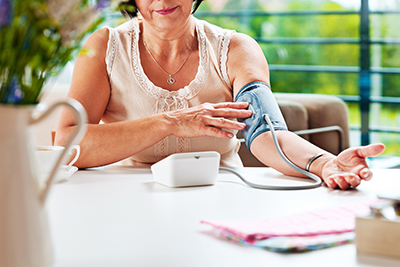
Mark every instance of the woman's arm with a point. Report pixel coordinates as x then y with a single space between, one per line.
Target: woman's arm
102 144
345 170
255 68
108 143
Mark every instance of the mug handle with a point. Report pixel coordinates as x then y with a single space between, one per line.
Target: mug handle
77 149
81 118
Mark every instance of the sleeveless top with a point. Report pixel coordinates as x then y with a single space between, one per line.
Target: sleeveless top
134 96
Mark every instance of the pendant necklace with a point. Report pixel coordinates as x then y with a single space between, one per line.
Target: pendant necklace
170 79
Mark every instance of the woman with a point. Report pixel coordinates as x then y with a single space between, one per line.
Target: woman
165 83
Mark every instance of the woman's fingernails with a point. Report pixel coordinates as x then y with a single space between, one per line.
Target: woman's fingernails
367 176
230 135
332 184
338 180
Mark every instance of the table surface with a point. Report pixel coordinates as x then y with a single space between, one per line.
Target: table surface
119 216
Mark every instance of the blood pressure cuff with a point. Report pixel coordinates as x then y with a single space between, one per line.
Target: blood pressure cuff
261 101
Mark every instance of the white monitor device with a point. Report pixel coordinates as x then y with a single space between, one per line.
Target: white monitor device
187 169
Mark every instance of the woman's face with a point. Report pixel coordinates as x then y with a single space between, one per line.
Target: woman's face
165 13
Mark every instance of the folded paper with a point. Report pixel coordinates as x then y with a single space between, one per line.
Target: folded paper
299 232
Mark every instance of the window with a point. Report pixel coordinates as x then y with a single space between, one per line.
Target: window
348 48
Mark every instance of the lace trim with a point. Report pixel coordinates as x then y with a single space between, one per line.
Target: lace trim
224 57
183 145
161 149
111 47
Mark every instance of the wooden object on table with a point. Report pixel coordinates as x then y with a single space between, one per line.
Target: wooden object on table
377 235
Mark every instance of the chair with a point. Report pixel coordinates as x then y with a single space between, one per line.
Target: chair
320 119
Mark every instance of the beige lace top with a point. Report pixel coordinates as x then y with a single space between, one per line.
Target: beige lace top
134 96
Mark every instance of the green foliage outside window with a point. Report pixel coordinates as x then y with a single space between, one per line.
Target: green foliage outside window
326 26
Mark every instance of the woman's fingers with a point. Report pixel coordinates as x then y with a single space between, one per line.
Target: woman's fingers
231 113
372 150
365 174
226 110
221 122
330 182
352 180
350 167
353 160
218 115
336 181
217 132
343 181
208 119
235 105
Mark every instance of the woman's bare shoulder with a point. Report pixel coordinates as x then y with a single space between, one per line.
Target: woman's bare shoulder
246 61
97 41
242 42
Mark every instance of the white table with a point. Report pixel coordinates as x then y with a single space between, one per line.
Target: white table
121 217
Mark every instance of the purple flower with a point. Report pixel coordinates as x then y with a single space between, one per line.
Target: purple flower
101 4
14 94
5 12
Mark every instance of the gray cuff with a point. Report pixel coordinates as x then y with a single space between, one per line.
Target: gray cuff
261 101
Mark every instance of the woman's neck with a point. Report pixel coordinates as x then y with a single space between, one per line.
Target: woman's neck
169 43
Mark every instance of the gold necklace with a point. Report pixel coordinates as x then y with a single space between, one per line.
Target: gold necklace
170 79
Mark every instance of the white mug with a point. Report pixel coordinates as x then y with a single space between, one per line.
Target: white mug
47 157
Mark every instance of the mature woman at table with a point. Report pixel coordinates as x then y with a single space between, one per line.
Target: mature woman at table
165 82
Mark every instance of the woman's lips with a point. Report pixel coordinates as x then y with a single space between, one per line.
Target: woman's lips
166 11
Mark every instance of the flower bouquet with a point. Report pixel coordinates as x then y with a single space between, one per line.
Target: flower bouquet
37 39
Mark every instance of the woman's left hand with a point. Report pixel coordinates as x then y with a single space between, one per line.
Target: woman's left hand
350 167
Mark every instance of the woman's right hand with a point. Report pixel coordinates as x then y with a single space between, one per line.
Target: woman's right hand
208 119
